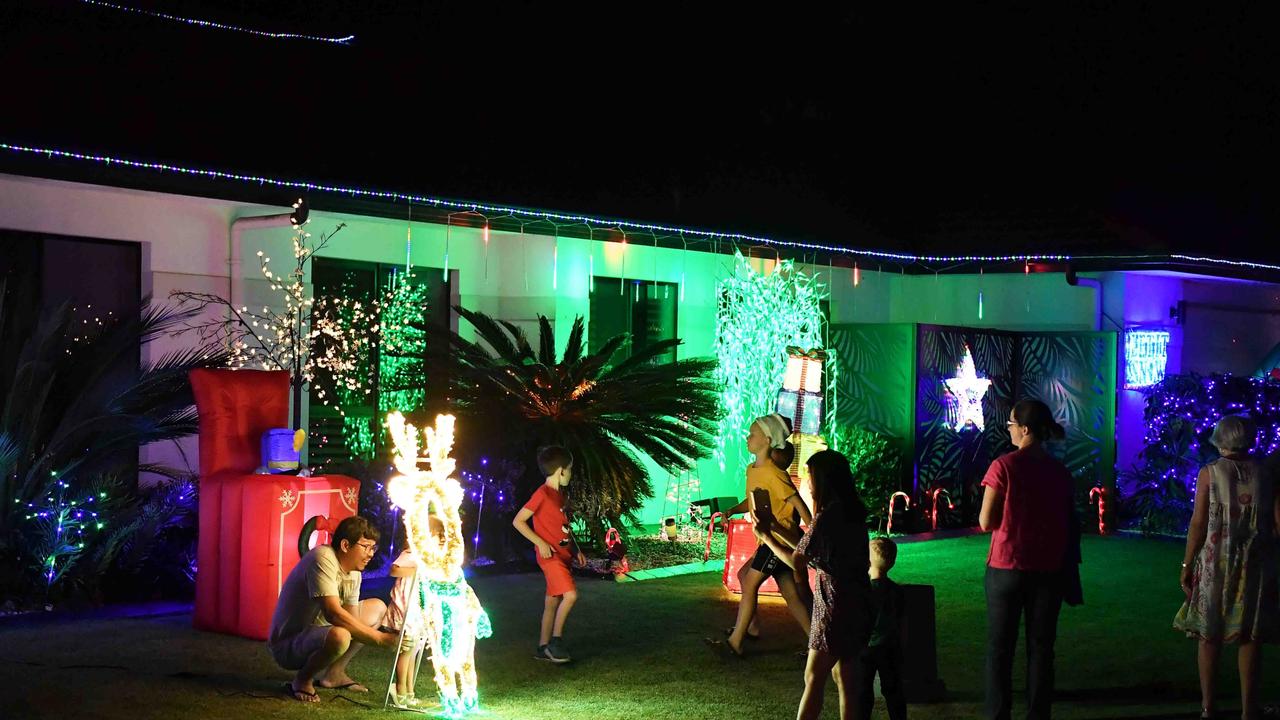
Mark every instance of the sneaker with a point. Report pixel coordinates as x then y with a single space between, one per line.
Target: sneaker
555 653
541 653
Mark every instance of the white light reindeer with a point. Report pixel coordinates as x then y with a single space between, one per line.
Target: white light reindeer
449 614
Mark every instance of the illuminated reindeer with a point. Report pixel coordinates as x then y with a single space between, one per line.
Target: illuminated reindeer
450 615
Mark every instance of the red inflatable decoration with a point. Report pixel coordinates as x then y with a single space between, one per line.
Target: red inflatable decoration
250 524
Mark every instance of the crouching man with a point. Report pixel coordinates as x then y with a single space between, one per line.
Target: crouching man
320 622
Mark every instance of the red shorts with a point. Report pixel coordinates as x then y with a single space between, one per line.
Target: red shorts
559 579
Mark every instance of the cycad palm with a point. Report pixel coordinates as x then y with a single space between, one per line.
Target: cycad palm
514 399
68 408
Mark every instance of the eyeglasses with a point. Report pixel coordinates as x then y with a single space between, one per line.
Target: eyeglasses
371 548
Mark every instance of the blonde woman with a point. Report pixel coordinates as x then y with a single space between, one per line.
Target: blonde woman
1229 567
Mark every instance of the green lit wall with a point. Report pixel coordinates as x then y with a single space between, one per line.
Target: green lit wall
519 276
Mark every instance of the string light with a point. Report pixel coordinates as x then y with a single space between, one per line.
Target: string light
65 522
1145 356
980 274
717 237
1181 412
221 26
711 236
308 337
452 615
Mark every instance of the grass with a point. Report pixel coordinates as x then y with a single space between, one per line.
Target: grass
640 653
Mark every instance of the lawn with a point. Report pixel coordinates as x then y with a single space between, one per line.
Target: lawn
639 653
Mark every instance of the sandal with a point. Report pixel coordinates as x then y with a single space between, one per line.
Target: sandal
729 631
724 649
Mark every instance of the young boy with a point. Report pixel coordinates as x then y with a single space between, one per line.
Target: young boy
551 536
884 651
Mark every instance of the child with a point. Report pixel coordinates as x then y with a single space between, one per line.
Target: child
835 545
782 457
884 650
405 571
769 434
551 535
404 593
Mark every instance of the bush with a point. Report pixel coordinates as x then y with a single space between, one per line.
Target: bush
876 464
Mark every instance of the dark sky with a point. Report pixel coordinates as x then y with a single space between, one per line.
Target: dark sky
988 129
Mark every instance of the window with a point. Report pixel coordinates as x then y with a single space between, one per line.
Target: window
644 309
396 370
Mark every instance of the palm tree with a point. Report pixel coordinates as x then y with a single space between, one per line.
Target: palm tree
513 399
75 407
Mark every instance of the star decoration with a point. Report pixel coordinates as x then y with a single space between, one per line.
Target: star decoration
964 395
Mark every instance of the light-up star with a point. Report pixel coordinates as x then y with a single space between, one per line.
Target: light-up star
967 389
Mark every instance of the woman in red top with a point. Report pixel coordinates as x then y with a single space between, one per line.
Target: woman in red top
1027 507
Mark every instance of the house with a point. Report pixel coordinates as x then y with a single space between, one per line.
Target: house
119 230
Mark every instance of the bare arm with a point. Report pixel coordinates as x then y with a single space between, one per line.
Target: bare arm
797 503
1198 530
344 617
992 509
521 524
787 537
786 554
399 571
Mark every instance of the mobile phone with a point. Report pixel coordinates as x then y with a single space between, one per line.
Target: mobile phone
760 502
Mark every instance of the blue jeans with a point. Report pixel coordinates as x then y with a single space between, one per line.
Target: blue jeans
1010 595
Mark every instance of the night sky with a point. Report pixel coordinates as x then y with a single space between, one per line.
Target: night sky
995 129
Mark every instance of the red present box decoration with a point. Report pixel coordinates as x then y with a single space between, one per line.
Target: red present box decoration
741 545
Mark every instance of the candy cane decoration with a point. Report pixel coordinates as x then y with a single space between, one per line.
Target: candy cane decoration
934 496
907 506
711 528
1101 494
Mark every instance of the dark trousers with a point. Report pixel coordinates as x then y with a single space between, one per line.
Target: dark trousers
886 660
1010 595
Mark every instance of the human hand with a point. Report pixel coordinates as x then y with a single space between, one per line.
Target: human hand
1185 580
582 559
762 519
544 550
386 639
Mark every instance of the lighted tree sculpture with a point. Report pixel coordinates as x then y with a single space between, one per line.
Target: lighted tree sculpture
760 315
450 615
303 335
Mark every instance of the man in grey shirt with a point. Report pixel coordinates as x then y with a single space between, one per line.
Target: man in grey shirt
320 622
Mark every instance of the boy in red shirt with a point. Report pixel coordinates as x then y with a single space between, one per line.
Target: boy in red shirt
551 536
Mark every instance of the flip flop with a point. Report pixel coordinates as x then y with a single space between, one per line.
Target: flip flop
724 649
293 694
729 631
353 686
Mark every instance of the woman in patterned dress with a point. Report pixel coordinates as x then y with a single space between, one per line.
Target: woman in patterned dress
836 546
1229 569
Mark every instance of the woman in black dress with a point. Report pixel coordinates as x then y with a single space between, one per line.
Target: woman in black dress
836 546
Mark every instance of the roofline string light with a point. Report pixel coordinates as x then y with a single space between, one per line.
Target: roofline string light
221 26
905 258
